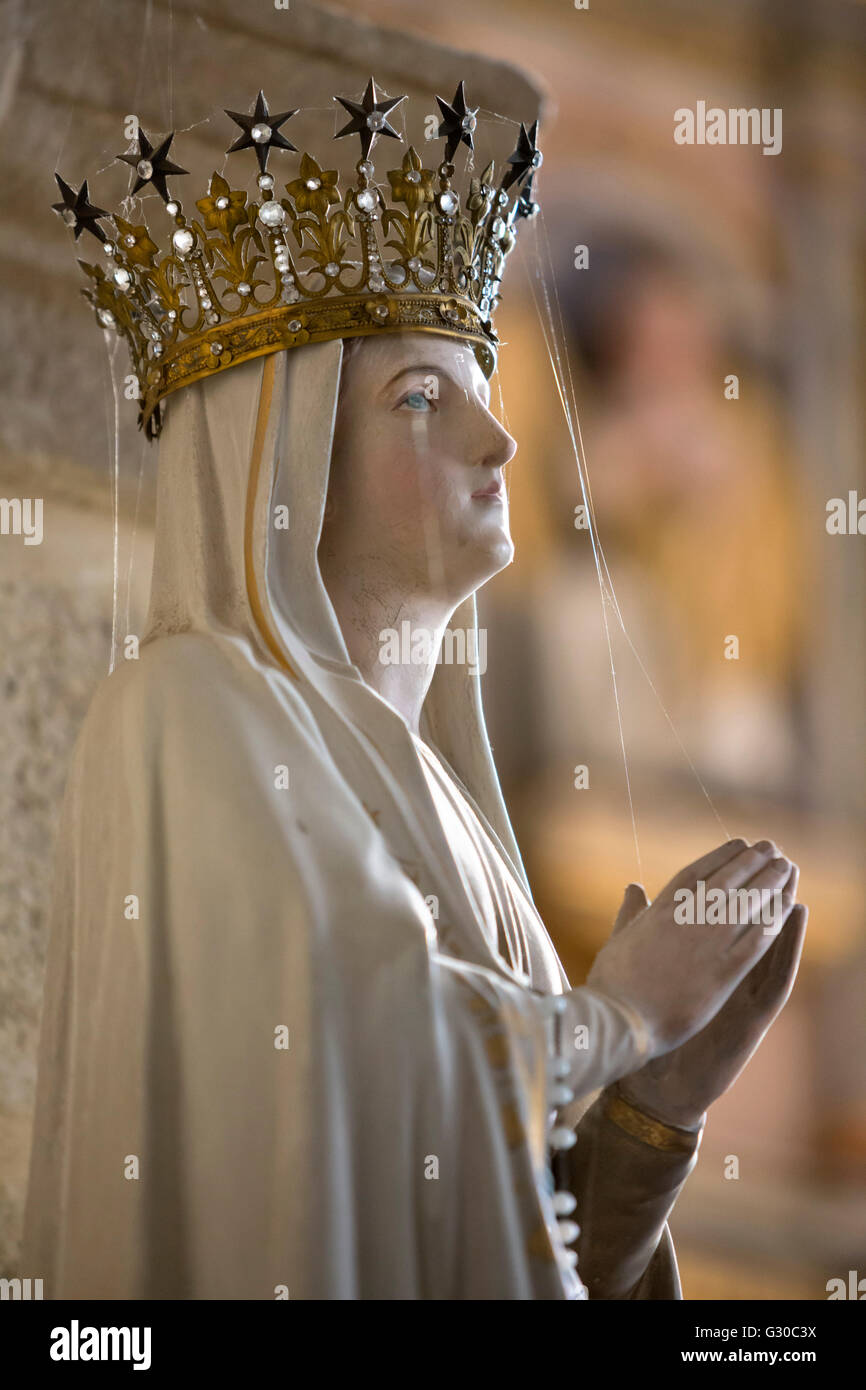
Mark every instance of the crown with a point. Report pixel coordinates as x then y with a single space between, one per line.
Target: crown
247 278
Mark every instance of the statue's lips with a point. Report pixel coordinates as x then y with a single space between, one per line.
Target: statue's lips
493 491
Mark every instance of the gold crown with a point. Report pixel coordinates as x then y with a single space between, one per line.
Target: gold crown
251 278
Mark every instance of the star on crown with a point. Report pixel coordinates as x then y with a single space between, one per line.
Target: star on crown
77 211
261 131
369 117
458 123
152 165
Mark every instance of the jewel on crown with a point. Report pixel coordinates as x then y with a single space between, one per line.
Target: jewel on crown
246 278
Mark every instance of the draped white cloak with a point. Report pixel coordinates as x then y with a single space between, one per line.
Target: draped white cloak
280 1056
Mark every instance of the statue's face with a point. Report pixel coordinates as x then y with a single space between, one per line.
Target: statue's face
416 485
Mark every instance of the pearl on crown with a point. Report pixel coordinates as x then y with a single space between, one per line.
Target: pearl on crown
183 240
272 213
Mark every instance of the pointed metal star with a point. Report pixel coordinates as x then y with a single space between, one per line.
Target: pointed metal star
458 123
267 135
77 211
525 205
368 117
526 156
151 165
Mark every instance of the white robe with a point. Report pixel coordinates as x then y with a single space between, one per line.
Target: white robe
204 913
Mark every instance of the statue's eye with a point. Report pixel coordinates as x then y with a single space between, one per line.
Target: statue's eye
417 400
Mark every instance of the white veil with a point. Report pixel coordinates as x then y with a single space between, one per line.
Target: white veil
268 427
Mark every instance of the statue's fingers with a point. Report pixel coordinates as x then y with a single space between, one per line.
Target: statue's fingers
789 893
795 931
782 905
759 905
744 867
772 979
763 893
706 865
634 901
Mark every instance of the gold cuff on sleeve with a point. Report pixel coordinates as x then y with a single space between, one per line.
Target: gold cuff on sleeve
642 1126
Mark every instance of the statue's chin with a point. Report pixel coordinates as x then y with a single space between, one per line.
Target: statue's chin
492 553
504 553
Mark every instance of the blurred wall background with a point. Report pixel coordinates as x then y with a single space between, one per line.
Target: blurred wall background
661 270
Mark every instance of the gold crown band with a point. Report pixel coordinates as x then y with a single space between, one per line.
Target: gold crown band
287 326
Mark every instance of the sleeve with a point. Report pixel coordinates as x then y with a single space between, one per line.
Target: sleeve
625 1190
259 1078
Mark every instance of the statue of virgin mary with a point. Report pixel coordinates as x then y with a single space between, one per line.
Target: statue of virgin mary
305 1034
301 1015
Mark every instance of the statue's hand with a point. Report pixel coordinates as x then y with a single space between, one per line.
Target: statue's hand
678 976
679 1086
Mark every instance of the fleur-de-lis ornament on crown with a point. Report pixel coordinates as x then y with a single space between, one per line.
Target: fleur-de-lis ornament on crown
247 278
